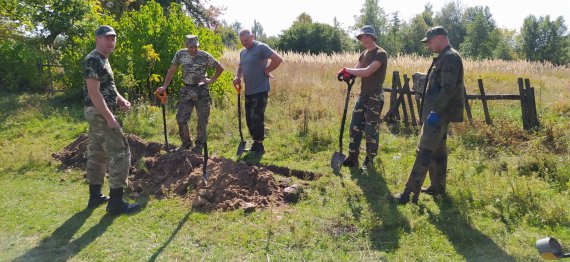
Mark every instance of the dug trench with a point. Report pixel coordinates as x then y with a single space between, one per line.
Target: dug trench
231 185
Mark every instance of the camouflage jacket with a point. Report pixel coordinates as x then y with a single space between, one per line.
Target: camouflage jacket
445 87
193 67
97 66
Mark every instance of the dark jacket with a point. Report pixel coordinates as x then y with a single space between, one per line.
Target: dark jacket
445 93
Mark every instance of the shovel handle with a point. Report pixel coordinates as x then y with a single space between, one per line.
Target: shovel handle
161 96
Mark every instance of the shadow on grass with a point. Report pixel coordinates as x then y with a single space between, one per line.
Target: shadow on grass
57 246
384 235
174 233
471 243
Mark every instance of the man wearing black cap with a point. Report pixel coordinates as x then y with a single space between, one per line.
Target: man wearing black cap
195 93
442 103
107 146
371 67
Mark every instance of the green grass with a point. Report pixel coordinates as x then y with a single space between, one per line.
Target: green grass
504 193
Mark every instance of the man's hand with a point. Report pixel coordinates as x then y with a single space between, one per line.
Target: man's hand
206 81
266 72
345 75
123 104
113 123
237 81
433 118
238 87
161 89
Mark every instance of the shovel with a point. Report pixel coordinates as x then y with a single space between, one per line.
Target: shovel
162 97
550 249
338 157
241 146
205 173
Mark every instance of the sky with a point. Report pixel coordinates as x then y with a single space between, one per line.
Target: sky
278 15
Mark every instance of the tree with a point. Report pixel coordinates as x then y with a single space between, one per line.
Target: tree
257 31
544 40
481 38
372 14
393 42
412 33
505 49
427 14
450 16
236 26
307 37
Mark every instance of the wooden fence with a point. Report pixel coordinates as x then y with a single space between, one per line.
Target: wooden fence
402 106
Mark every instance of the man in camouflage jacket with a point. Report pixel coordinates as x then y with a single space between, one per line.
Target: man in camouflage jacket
107 146
443 103
195 93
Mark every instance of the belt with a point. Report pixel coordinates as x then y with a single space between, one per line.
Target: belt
191 85
112 109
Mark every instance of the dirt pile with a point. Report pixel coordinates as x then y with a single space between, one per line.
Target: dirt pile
230 185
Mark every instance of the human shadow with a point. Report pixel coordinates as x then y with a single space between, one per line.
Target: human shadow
385 235
172 235
57 247
471 243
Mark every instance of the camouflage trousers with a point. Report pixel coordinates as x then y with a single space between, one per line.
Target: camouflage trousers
107 148
365 119
255 115
193 97
431 156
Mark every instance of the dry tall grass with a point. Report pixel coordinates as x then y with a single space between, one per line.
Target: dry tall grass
311 79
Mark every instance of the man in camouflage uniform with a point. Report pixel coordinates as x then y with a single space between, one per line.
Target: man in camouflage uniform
107 146
195 93
256 73
443 103
371 67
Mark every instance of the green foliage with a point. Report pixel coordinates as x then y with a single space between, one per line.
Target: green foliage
482 36
412 33
304 36
451 17
544 40
19 69
374 15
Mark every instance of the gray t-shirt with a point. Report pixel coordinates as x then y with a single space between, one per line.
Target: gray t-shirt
252 63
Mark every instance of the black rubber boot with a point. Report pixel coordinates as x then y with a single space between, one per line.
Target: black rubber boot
351 160
95 196
117 206
257 148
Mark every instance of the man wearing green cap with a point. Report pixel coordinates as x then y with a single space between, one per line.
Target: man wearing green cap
442 103
371 67
107 146
195 93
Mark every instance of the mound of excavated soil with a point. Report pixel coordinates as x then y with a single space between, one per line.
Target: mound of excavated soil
229 186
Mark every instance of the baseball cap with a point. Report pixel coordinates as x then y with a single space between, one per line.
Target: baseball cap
105 30
434 31
192 40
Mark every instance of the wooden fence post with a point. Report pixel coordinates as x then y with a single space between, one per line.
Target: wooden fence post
484 100
404 109
524 110
533 117
409 94
468 107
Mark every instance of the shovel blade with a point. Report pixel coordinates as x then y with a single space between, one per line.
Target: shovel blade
241 148
336 161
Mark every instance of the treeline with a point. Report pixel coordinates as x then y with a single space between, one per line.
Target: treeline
472 30
36 33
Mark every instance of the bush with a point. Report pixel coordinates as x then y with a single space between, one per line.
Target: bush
19 70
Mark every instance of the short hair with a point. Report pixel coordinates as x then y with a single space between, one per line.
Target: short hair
244 32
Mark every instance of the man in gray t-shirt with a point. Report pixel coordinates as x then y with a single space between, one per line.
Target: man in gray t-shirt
256 73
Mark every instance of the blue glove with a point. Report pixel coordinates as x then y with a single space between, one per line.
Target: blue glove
433 118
